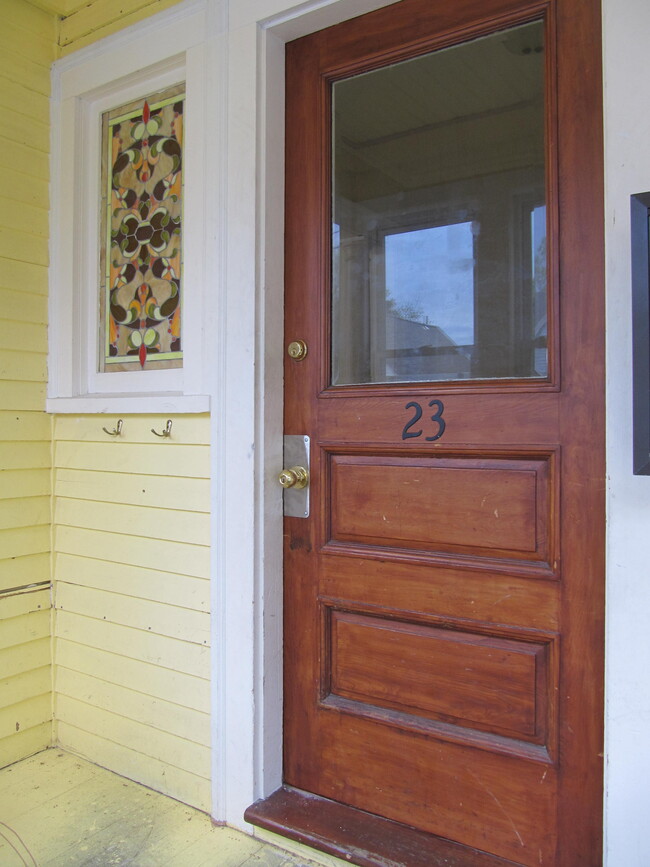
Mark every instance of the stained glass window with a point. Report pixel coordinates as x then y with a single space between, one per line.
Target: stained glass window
141 255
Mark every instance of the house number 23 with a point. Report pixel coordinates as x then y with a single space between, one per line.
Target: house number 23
436 418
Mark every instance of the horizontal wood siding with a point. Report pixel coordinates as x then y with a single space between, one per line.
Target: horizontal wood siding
25 673
28 38
132 625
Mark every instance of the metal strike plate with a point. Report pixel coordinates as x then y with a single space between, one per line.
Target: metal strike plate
296 454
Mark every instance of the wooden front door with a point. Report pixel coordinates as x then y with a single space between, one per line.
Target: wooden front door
444 598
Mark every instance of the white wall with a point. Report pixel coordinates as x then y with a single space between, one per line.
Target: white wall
627 161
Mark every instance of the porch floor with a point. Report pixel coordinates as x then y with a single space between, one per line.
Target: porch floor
57 810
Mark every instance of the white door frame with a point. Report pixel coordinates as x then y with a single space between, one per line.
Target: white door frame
247 397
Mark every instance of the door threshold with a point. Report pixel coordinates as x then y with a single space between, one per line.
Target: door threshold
358 837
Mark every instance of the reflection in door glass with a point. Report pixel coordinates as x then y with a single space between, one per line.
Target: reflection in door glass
538 253
439 216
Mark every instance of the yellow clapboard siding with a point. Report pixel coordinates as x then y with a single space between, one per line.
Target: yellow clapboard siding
133 643
23 187
31 483
21 426
23 335
30 161
162 492
24 246
182 591
186 787
27 627
24 218
170 749
23 277
24 456
167 716
15 97
23 571
143 614
22 744
163 524
23 686
24 657
25 602
135 674
19 67
23 366
175 557
186 430
35 45
31 20
24 540
30 131
103 17
24 512
22 395
26 715
27 38
157 459
24 305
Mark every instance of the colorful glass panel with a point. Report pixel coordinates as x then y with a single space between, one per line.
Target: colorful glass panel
142 234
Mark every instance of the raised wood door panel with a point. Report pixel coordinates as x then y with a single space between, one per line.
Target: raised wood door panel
472 506
444 600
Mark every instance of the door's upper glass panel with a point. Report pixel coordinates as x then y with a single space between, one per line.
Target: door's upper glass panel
439 216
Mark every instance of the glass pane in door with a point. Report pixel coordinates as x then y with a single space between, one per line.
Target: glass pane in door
439 216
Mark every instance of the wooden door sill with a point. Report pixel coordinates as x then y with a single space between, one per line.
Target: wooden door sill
357 837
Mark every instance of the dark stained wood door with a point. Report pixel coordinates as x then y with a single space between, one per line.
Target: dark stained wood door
444 599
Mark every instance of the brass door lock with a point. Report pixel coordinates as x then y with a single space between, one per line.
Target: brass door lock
297 350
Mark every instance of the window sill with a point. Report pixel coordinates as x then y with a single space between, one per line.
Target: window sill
142 404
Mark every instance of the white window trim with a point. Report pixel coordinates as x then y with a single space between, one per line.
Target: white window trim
142 59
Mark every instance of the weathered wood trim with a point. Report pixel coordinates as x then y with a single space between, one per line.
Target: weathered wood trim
357 837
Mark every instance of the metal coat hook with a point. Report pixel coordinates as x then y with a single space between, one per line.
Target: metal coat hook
167 432
117 430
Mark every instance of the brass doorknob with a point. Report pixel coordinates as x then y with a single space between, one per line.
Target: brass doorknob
296 477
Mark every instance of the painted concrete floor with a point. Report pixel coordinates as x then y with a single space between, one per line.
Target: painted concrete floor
57 810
